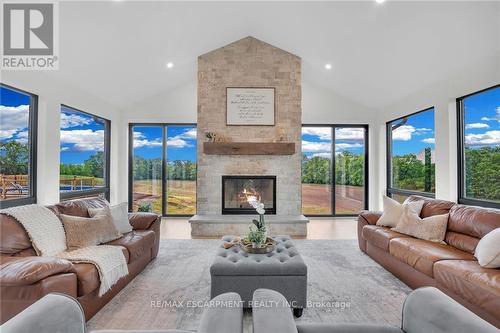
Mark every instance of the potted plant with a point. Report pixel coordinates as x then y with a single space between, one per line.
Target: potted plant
257 237
145 206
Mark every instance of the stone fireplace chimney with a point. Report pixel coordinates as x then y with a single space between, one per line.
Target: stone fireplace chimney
249 63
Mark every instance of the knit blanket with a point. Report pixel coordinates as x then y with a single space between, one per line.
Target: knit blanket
48 238
108 259
44 228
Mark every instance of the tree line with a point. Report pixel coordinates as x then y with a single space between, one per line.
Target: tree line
349 169
145 169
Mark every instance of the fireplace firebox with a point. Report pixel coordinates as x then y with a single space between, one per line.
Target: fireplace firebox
237 189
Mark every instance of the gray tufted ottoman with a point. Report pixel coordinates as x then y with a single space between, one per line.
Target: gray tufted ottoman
282 270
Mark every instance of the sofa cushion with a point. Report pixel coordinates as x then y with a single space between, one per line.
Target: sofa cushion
79 207
137 242
87 278
380 236
13 237
421 254
473 221
432 206
462 242
476 284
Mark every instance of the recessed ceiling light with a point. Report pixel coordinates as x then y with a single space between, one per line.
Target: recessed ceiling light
170 64
328 66
379 1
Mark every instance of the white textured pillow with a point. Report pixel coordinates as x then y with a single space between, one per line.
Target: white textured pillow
119 215
393 211
488 250
432 228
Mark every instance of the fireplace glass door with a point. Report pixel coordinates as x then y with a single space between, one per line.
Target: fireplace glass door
237 190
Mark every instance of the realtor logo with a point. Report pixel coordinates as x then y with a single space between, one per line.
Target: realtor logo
29 36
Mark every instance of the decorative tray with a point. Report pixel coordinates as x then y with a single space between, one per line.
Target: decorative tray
266 248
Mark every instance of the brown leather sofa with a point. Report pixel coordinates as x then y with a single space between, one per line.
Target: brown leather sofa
450 267
26 277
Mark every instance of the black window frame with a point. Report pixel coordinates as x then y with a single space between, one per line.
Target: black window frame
333 165
462 198
390 191
163 165
105 190
33 144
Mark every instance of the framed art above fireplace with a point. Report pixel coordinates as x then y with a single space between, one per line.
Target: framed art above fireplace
250 106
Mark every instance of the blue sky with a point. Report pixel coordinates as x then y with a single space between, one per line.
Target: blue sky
317 141
414 136
482 119
181 142
14 115
82 136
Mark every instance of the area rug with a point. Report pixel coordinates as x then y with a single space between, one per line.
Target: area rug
344 285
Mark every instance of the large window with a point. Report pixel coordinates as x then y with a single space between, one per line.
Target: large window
479 148
18 110
162 168
410 155
334 169
84 168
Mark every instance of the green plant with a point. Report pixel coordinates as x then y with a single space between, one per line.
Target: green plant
146 207
257 236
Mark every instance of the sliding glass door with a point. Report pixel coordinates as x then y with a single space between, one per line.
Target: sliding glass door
334 169
163 168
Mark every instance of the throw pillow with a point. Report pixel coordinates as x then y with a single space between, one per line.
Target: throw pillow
83 231
393 211
488 250
432 228
119 216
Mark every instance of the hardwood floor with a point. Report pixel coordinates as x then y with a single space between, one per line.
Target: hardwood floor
318 228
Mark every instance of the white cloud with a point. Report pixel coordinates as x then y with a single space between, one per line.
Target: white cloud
344 146
429 140
141 141
83 140
22 137
179 141
323 133
315 147
405 132
345 133
483 139
496 117
13 119
73 120
476 125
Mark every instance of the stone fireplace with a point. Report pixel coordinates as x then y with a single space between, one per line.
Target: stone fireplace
248 63
237 189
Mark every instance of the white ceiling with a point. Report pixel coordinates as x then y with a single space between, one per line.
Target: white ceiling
117 50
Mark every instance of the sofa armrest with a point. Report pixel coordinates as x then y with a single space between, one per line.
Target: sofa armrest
369 217
225 315
28 270
142 221
429 310
271 313
52 313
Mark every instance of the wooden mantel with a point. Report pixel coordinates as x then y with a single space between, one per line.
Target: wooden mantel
249 148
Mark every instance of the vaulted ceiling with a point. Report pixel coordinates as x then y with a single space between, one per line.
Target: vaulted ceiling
379 53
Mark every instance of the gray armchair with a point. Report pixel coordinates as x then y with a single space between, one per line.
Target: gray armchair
60 313
426 310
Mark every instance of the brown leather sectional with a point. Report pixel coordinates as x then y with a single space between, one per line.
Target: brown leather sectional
26 277
450 267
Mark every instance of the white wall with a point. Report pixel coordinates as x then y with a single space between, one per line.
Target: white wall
51 94
442 95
